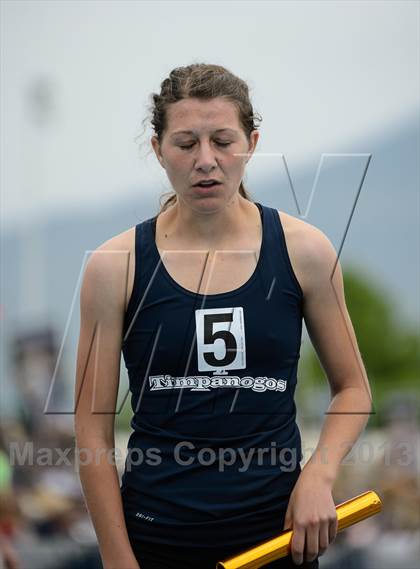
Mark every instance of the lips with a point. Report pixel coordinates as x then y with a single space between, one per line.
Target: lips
207 183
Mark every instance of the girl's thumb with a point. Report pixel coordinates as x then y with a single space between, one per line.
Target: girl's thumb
287 521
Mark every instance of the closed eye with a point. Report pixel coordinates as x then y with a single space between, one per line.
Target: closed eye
223 144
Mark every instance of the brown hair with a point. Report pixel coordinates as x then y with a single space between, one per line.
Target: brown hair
204 81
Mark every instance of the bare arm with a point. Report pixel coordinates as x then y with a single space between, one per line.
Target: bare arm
311 510
102 303
332 335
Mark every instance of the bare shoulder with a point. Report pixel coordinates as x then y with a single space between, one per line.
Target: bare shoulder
122 242
109 270
311 252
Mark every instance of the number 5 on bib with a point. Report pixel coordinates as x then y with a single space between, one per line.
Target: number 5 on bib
220 334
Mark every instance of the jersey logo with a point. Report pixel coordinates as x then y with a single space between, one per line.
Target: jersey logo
220 334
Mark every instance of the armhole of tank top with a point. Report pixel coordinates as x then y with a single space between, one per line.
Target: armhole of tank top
129 311
286 255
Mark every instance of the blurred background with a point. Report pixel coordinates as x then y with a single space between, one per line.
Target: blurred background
337 85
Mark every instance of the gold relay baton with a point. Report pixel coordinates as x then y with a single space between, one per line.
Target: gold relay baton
348 513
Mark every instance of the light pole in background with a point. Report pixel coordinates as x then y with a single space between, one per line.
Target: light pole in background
39 111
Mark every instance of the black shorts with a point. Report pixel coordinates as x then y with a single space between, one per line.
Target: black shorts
158 556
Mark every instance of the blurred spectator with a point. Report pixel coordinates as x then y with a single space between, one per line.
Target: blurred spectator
9 513
42 397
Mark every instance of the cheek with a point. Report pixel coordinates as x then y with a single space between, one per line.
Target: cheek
236 164
178 167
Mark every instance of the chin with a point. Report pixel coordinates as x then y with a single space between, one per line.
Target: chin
209 204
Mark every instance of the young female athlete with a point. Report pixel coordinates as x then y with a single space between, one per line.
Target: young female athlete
206 301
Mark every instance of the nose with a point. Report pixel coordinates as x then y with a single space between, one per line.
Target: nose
205 159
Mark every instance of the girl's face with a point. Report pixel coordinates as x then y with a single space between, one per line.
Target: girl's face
204 140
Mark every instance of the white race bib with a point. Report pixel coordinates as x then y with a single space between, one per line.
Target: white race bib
220 334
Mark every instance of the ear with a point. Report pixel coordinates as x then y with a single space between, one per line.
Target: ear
253 143
156 147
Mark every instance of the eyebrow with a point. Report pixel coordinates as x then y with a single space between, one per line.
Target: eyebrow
193 132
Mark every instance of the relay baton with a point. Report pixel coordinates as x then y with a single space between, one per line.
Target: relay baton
348 513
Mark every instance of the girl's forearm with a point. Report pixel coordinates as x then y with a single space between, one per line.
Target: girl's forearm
344 421
100 483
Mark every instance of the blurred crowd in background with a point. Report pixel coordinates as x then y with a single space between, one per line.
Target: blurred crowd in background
43 518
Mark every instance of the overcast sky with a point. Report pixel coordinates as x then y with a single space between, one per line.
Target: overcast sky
321 74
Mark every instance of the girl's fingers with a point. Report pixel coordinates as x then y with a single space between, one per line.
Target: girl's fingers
312 542
298 544
324 537
332 530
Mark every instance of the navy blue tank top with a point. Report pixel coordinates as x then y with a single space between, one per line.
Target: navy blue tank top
215 449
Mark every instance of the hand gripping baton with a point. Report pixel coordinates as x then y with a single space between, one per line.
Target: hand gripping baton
348 513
